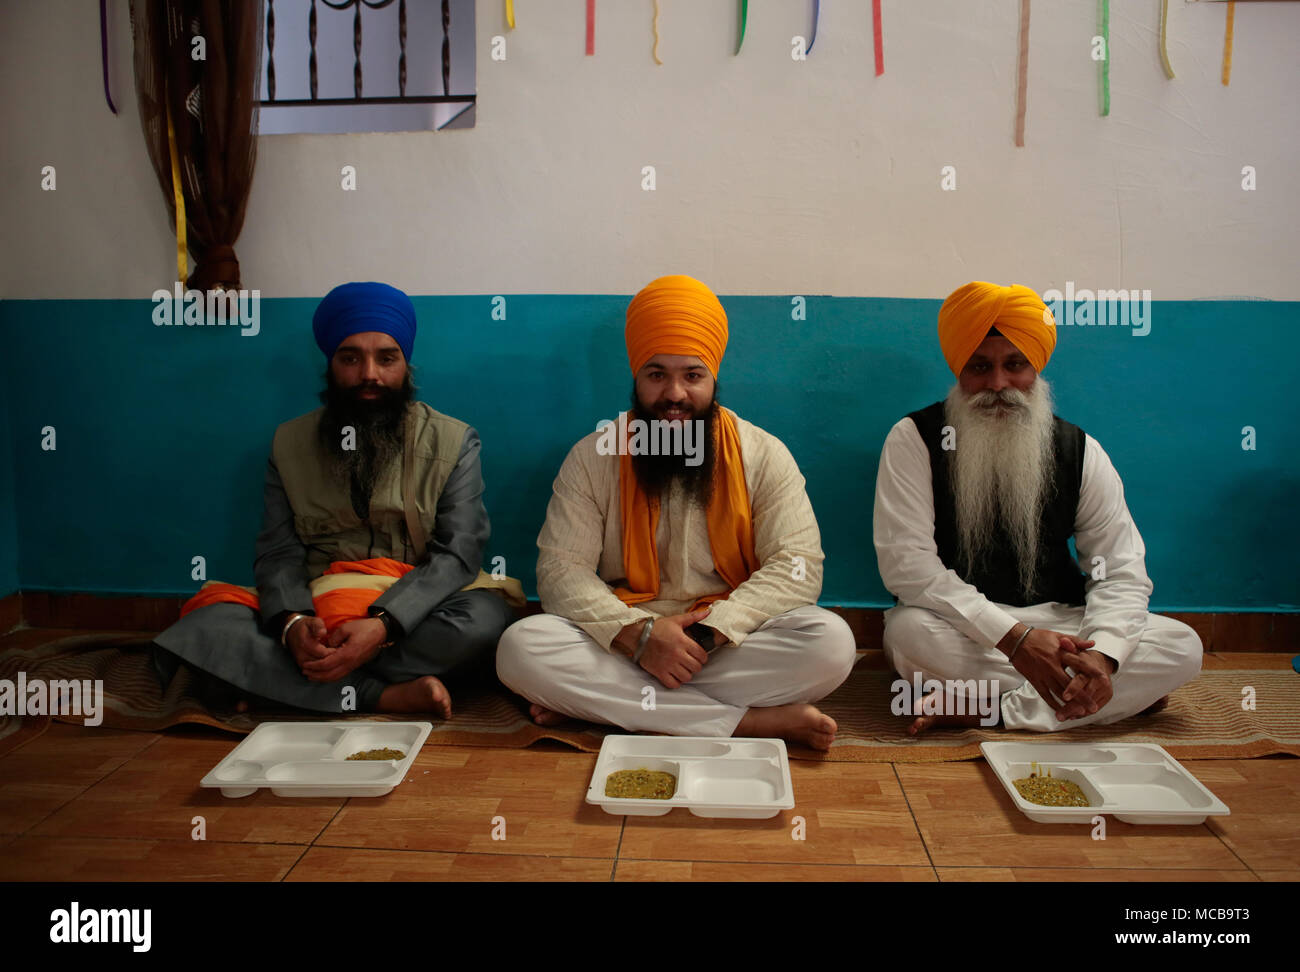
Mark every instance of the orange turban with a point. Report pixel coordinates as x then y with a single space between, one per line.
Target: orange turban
1017 312
676 315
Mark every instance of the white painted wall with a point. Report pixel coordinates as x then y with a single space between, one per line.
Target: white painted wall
773 176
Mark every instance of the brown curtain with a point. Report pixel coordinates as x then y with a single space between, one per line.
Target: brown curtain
213 105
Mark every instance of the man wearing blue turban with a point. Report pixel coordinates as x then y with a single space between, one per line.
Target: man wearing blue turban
369 589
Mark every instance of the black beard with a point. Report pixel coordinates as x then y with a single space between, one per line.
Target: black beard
379 424
656 473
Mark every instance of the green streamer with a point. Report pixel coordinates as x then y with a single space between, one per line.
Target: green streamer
744 16
1104 15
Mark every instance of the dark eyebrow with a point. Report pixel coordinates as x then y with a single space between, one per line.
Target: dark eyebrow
355 348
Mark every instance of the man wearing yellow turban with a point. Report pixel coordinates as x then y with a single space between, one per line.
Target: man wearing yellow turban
977 499
680 560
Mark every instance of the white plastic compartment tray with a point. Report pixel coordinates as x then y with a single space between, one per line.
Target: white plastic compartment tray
310 759
715 777
1138 783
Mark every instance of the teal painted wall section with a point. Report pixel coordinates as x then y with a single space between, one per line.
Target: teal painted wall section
163 432
8 511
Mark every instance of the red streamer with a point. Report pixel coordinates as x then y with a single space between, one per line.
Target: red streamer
878 37
591 27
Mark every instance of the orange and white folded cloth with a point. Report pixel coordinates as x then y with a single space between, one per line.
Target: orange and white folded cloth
347 589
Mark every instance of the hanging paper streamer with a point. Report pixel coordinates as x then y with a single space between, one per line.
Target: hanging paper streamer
1022 71
178 193
655 51
591 27
878 37
103 53
817 14
1104 30
1227 43
744 16
1164 41
510 14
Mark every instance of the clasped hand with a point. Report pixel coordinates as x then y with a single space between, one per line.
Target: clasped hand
329 657
671 655
1073 680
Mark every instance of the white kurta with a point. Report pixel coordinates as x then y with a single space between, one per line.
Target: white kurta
944 628
778 646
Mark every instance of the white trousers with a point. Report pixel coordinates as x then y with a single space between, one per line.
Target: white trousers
800 656
919 641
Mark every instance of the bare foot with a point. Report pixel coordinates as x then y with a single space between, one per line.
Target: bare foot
1157 706
545 717
425 694
796 722
939 720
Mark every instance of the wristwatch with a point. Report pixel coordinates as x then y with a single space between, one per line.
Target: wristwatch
390 623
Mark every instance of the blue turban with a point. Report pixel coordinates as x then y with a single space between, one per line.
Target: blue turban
353 308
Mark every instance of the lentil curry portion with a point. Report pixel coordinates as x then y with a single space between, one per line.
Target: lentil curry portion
641 784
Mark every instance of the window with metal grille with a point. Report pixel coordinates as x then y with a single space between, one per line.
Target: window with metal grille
367 66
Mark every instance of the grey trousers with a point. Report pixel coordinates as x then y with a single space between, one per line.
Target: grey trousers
458 639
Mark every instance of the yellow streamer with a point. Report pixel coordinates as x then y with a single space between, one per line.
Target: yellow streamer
1227 43
655 51
510 14
182 262
1164 40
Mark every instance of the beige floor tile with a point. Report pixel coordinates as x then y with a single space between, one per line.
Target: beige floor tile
735 871
351 864
156 795
1264 797
968 820
59 765
852 813
456 798
33 858
1075 874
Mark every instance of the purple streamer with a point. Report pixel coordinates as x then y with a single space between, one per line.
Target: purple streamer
103 51
817 13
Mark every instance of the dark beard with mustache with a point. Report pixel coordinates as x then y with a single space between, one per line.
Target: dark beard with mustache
657 473
380 425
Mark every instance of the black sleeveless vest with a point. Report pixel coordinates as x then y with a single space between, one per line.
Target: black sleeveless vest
997 576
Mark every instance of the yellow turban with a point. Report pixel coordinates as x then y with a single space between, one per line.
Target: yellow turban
1017 312
676 315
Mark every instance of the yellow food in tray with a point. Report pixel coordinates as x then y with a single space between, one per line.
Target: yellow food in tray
641 784
1039 787
379 754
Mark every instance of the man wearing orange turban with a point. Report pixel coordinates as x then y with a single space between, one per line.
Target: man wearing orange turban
977 499
680 560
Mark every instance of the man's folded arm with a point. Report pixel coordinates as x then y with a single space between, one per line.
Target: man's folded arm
569 549
906 552
280 566
788 544
455 554
1112 554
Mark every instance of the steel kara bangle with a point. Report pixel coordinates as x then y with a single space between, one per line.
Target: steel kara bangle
293 619
643 640
1019 641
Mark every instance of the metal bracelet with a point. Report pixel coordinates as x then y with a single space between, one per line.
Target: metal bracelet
1019 641
293 619
643 640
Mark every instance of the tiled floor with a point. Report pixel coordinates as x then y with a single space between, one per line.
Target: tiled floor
102 804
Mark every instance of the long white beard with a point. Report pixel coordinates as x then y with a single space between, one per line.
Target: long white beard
1001 471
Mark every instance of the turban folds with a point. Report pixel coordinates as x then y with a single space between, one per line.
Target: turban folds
1017 312
680 315
676 315
353 308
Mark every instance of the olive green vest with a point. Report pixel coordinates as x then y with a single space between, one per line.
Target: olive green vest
322 506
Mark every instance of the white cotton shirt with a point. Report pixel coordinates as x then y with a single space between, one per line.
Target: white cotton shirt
1116 602
581 545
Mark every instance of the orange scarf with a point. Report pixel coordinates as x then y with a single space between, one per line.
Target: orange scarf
730 521
334 607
